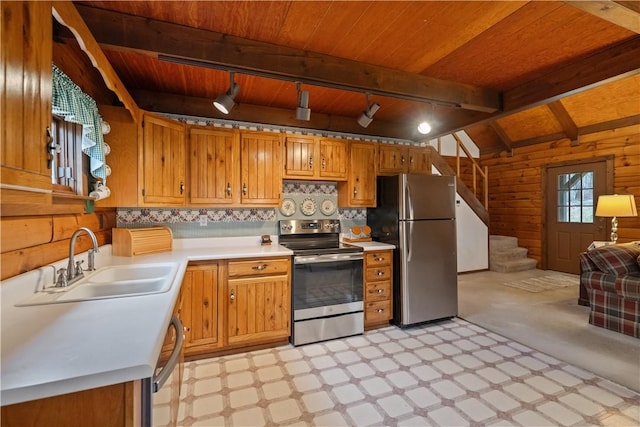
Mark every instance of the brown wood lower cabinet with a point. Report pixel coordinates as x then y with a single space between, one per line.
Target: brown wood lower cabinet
111 406
258 301
200 311
378 288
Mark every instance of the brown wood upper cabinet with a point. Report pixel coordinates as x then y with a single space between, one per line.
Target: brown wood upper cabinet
393 159
26 100
214 166
315 158
360 188
261 168
163 161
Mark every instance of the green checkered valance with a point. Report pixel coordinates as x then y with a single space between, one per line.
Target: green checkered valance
70 102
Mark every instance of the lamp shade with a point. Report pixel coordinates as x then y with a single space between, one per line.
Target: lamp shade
616 205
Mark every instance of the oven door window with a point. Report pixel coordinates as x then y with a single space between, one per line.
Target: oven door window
328 283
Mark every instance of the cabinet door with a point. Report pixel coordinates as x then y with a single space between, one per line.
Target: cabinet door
258 309
261 168
300 157
419 161
360 188
25 90
200 308
163 161
214 159
333 159
391 159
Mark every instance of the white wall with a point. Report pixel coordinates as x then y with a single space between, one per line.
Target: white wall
472 233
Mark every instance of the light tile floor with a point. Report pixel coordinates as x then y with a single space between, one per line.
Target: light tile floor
452 373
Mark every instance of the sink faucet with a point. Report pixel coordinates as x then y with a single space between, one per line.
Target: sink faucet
74 269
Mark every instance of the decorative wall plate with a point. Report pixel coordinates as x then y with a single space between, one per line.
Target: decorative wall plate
327 207
288 207
308 207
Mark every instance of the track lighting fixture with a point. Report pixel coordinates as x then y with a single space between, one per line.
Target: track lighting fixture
303 112
225 101
367 116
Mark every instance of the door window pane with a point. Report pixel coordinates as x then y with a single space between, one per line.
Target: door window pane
575 197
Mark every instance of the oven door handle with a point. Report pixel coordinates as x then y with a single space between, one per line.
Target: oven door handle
317 259
161 377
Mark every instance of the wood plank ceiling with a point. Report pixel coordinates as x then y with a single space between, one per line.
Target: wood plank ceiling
511 73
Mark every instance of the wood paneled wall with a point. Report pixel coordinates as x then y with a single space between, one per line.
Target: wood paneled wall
516 184
33 241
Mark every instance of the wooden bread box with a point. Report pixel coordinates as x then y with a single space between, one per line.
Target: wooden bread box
139 241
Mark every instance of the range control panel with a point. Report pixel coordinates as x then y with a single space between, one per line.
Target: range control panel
309 226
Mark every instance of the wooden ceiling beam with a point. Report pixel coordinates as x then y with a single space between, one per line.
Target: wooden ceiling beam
216 50
625 14
615 63
203 107
502 135
568 125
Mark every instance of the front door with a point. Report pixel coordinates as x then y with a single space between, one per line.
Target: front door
571 193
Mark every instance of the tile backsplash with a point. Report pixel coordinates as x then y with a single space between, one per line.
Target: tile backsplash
224 222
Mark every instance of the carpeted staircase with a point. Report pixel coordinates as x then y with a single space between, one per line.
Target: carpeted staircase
506 257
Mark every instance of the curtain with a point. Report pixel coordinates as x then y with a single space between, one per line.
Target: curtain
70 102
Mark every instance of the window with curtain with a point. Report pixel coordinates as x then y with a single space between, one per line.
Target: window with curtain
76 125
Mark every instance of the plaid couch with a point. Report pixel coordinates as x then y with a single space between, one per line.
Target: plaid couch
611 276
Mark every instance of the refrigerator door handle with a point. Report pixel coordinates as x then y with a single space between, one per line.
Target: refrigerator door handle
409 201
409 237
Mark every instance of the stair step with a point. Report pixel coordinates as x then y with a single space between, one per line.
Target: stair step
502 242
513 265
508 255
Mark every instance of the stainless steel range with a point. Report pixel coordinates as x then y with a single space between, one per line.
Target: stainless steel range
326 282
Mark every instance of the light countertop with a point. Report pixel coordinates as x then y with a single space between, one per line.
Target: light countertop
62 348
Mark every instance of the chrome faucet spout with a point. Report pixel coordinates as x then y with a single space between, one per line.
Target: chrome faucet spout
75 271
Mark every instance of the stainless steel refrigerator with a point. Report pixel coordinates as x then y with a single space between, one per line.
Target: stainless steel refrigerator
416 213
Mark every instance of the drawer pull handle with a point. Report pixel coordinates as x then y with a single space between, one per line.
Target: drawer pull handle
379 291
259 267
378 259
380 273
233 296
244 189
380 310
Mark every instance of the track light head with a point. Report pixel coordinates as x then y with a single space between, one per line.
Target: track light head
366 117
225 101
303 112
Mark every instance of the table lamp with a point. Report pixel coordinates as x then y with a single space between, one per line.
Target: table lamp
616 205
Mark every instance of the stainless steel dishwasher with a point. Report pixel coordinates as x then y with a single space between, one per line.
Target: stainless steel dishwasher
161 394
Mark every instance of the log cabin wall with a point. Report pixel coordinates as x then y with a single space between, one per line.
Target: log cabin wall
516 184
31 241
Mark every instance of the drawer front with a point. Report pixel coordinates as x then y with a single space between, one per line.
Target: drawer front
377 291
378 258
378 311
260 267
374 274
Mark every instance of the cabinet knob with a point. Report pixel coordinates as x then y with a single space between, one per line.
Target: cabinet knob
244 189
324 163
378 259
310 162
380 273
379 291
228 189
181 187
380 310
355 191
411 159
402 160
232 296
259 267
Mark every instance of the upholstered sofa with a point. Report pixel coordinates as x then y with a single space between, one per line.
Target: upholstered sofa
611 276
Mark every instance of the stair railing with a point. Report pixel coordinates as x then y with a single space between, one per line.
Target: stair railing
476 168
